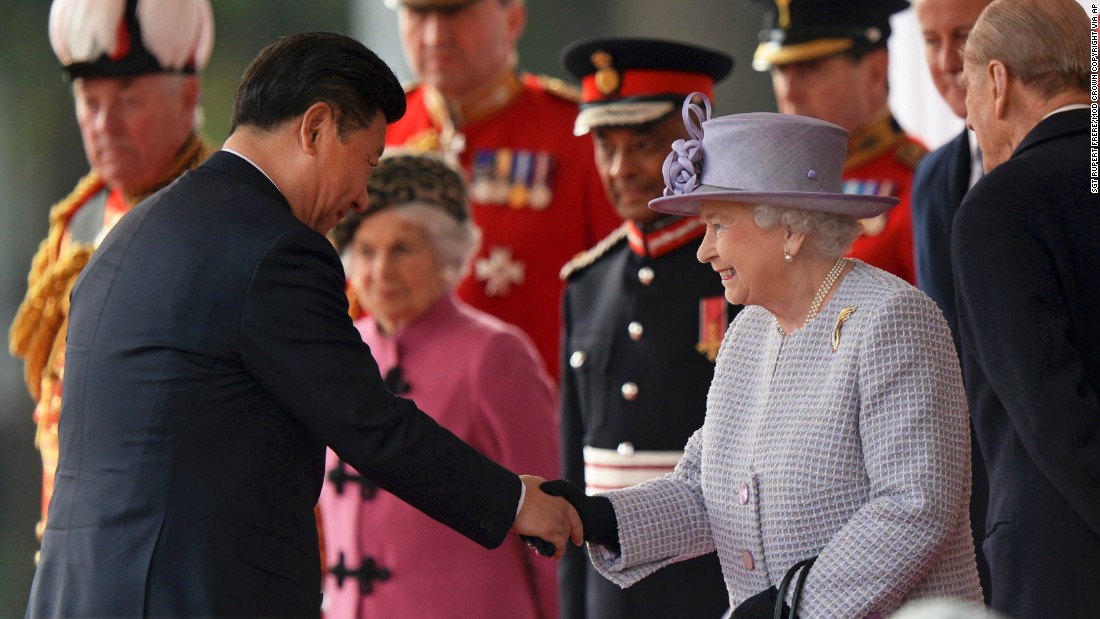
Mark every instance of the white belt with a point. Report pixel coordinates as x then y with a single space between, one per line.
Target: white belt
610 469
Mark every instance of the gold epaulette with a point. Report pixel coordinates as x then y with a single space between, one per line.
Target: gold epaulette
587 257
559 88
909 153
33 331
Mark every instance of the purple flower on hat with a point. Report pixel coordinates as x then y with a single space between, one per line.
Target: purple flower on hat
684 164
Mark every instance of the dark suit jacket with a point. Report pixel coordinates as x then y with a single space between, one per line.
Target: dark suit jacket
1026 249
672 377
210 360
939 184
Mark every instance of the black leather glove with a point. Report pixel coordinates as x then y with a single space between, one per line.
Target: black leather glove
761 606
596 512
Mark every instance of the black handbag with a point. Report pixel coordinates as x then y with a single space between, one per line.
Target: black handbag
785 584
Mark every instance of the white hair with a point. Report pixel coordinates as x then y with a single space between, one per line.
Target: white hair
832 233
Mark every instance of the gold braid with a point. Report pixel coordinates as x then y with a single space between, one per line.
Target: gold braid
34 332
37 333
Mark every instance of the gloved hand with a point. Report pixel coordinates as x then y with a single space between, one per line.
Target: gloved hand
761 606
596 512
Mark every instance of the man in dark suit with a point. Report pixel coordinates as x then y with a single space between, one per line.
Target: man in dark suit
941 180
643 318
1025 248
210 360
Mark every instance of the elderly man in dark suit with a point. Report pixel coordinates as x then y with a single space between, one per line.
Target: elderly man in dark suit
211 359
1025 248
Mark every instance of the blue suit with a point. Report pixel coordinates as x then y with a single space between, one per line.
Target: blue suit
210 359
939 186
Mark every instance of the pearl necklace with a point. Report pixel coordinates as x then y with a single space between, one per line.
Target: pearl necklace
822 292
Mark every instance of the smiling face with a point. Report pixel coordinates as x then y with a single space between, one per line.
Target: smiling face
341 168
747 258
395 268
630 159
945 26
134 127
461 50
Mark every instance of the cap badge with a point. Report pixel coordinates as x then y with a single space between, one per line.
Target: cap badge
607 78
784 19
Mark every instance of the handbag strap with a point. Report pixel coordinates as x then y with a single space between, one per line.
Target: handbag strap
785 584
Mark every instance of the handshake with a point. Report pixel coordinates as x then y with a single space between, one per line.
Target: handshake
556 511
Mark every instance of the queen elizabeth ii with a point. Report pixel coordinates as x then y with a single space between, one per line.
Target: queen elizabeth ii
836 423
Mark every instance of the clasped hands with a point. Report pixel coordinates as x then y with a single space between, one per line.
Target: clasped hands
556 511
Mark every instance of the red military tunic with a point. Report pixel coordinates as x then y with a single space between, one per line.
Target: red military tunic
534 192
881 161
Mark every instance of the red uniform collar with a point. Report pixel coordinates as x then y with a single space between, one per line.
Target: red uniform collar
664 236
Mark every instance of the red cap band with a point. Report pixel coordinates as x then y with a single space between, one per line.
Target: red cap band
641 82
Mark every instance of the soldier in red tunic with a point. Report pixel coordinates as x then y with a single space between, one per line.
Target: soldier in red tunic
534 189
133 71
828 60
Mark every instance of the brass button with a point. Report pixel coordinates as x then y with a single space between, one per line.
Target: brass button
630 391
646 275
577 359
635 330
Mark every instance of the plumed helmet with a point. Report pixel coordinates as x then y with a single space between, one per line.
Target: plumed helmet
122 38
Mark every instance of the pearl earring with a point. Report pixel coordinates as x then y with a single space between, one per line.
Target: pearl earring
787 256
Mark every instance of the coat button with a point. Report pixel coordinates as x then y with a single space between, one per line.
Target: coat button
743 494
635 330
625 448
577 359
748 560
630 391
646 275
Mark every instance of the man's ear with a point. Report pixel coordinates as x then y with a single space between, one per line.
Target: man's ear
998 81
317 121
516 21
877 62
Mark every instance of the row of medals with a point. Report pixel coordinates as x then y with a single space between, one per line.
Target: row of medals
514 178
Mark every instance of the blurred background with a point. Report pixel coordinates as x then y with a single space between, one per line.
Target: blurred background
41 157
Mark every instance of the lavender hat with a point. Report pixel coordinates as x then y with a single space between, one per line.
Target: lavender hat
760 158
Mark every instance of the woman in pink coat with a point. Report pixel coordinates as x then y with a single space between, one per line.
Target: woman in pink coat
477 376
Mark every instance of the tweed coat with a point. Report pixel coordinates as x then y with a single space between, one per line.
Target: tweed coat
860 456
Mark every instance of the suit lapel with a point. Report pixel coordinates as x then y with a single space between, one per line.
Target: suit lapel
960 183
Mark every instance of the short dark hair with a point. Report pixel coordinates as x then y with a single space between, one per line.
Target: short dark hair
297 71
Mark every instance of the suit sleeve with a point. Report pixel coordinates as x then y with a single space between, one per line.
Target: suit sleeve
516 401
1006 277
299 343
572 571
